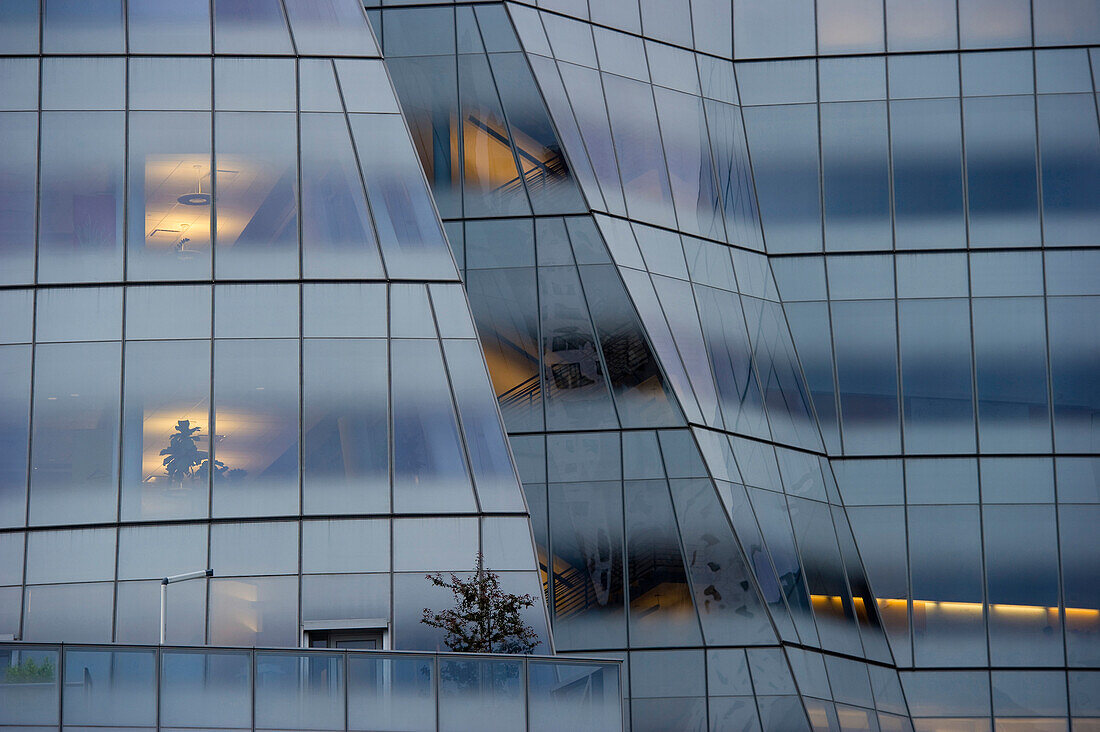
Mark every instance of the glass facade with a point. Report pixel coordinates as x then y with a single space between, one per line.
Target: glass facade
235 338
789 310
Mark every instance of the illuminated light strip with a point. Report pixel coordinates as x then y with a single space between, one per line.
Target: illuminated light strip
1079 613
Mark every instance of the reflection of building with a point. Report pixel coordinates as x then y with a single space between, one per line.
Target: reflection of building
789 309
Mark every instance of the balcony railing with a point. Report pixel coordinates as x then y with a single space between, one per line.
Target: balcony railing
215 688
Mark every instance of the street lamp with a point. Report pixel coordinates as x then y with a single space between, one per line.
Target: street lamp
164 593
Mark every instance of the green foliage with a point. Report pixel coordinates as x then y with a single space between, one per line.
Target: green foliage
29 671
484 619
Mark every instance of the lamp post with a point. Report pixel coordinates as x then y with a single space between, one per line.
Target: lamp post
164 593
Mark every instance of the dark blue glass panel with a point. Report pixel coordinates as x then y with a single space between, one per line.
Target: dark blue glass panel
783 142
1000 170
936 389
855 158
1073 325
866 363
1070 148
17 179
1010 362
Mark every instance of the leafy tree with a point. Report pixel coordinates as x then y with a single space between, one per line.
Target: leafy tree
29 671
485 618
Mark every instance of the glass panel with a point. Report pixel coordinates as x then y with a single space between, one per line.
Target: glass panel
946 575
692 176
1000 171
920 25
576 388
586 539
681 312
494 475
855 153
784 145
452 311
83 83
30 700
768 28
256 84
927 159
344 310
317 90
256 311
254 548
170 196
169 83
255 460
407 223
661 609
481 694
493 184
256 191
641 159
110 687
993 23
812 335
166 443
19 31
249 27
365 86
429 464
729 608
847 26
391 692
79 314
642 398
254 611
1010 365
17 182
1021 556
435 544
545 171
573 696
1070 149
80 208
775 525
880 534
345 546
345 454
1073 323
410 311
935 376
77 555
781 379
585 93
825 577
78 613
206 688
299 691
330 27
74 460
83 26
429 100
343 596
176 26
1080 557
504 303
866 362
748 535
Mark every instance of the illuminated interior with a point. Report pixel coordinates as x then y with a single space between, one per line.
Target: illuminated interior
177 203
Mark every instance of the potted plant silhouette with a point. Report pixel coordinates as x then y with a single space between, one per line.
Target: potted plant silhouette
184 460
